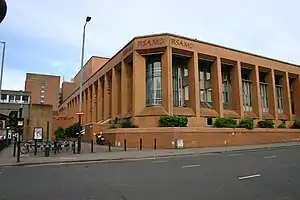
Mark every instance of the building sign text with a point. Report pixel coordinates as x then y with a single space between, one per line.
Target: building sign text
127 50
182 43
150 42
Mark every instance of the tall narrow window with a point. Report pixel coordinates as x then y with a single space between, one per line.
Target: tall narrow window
246 88
153 80
292 95
263 92
205 84
226 86
180 81
279 94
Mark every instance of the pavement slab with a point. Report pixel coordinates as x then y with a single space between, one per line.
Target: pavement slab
117 154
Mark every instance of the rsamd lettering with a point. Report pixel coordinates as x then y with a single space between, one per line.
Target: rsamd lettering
182 43
150 42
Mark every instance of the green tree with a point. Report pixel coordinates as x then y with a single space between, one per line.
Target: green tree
59 133
72 130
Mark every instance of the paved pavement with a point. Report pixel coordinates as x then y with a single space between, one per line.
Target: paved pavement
118 154
272 174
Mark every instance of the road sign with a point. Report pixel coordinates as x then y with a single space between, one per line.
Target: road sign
80 113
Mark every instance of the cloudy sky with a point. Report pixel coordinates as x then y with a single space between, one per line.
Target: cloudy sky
44 36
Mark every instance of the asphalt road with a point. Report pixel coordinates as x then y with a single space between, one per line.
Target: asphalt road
260 175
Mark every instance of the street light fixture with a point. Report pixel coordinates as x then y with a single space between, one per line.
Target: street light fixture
88 19
2 65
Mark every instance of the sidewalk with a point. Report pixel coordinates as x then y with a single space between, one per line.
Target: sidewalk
6 158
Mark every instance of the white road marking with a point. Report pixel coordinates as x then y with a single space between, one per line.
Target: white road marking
159 161
267 157
190 166
236 154
248 177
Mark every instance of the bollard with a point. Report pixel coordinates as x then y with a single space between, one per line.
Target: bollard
154 143
55 148
141 144
47 149
15 147
109 145
125 145
35 147
92 146
73 146
18 150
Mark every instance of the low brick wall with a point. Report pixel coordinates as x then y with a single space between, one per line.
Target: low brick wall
195 137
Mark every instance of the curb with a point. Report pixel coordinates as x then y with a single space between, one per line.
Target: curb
148 157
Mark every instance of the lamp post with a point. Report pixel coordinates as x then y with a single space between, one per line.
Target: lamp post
20 133
80 89
2 65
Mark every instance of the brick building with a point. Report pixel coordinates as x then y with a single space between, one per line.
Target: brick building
166 74
44 89
92 66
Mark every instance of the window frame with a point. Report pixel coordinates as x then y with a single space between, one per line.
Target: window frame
153 80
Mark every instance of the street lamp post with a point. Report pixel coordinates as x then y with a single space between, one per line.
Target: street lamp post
2 66
80 89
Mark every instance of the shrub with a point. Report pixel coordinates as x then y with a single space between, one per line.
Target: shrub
60 133
282 125
71 131
296 124
128 124
265 124
113 126
225 122
173 121
246 123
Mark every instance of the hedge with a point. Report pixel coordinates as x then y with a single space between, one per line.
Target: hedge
173 121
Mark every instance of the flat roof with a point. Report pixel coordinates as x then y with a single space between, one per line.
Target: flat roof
18 92
182 37
216 45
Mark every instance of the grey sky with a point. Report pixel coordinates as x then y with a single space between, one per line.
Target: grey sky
265 27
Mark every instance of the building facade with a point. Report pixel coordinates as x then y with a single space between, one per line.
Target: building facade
91 66
166 74
44 89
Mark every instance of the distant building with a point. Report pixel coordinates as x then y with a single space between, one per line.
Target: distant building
44 89
12 100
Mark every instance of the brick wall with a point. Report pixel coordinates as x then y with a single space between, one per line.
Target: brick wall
200 137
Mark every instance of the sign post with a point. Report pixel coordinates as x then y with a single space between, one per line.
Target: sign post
79 136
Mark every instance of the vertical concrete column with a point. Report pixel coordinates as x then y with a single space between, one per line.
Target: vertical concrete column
83 117
237 93
73 109
296 87
272 100
124 88
287 109
89 110
138 84
217 94
100 101
94 101
193 84
167 89
86 106
255 92
114 94
106 105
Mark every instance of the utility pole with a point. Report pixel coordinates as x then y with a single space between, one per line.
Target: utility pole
80 113
2 65
20 128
